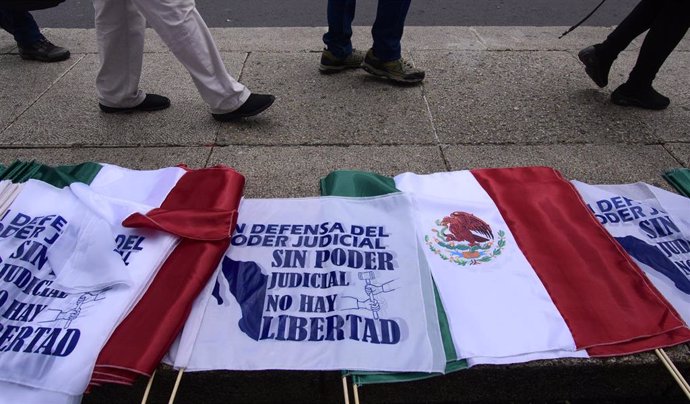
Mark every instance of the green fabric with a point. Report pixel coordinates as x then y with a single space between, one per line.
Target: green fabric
59 177
356 183
361 184
680 179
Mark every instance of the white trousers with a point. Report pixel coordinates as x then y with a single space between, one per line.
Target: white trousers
120 26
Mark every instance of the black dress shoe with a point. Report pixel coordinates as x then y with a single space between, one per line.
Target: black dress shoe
596 67
255 104
642 97
152 102
44 51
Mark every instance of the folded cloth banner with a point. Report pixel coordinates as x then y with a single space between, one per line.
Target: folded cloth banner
69 273
318 284
363 184
525 272
173 200
680 179
140 342
653 225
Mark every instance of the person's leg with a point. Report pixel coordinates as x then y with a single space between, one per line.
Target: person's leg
21 25
666 31
180 26
338 38
388 27
638 21
384 58
599 58
120 34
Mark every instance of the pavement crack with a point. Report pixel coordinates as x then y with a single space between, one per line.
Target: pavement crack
50 86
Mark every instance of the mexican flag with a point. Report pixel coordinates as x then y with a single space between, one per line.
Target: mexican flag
525 272
67 221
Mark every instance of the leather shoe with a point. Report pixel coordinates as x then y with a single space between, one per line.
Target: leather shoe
44 51
255 104
152 102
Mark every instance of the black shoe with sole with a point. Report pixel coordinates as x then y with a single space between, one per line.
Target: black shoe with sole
44 51
641 97
255 104
152 102
595 66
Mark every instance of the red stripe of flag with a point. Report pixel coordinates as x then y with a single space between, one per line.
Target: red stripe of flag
142 339
609 305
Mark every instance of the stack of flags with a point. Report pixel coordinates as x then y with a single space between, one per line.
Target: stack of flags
392 278
101 265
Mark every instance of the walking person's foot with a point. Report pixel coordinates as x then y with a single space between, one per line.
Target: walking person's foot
596 66
639 96
255 104
331 64
152 102
43 50
399 70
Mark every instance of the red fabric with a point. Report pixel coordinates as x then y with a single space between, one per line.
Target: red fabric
209 225
607 302
140 341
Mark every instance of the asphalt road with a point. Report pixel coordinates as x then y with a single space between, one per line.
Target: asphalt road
311 13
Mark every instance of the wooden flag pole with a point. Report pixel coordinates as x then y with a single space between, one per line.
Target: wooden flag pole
177 384
148 388
355 392
673 370
345 392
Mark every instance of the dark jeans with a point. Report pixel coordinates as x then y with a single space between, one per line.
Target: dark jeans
667 22
21 25
386 32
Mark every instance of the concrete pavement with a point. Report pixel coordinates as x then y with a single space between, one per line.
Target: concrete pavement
493 97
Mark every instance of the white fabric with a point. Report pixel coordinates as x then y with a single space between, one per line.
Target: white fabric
402 292
15 393
120 26
498 310
96 269
658 218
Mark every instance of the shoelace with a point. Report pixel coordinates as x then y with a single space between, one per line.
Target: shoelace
406 64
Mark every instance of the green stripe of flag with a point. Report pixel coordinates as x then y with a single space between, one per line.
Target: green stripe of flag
59 176
362 184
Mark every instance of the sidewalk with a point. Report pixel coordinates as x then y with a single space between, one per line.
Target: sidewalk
493 97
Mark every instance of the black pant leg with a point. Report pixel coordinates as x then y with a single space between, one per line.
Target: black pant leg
638 21
668 29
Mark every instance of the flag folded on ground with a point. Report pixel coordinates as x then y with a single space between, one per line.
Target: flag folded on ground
364 184
201 209
318 284
151 204
653 225
525 272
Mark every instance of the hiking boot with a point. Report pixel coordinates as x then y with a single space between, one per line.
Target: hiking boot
331 64
255 104
641 97
152 102
44 51
596 67
399 70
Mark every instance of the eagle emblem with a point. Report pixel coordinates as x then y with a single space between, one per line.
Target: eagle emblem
465 239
